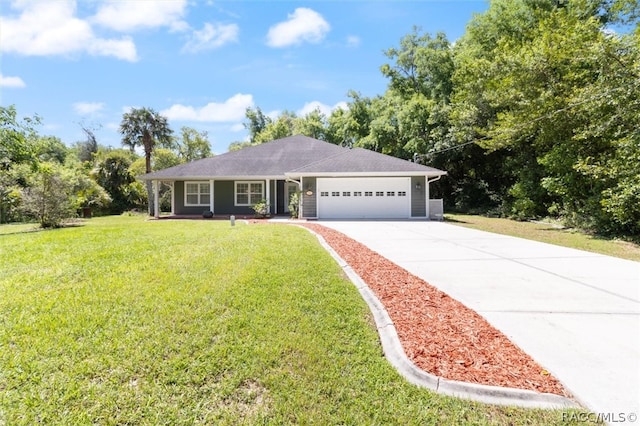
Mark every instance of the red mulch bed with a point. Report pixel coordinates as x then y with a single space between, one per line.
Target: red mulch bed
439 334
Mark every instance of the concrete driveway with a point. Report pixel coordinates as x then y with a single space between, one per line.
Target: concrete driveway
576 313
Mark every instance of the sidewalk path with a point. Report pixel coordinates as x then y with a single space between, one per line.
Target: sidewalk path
576 313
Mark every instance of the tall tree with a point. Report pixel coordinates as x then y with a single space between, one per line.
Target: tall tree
192 145
112 173
89 147
144 127
49 195
540 80
256 123
17 146
16 138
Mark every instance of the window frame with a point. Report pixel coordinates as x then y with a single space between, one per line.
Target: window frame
200 193
248 193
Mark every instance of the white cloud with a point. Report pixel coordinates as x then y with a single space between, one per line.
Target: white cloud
87 108
303 25
231 110
323 108
127 16
51 28
210 37
238 127
14 82
353 41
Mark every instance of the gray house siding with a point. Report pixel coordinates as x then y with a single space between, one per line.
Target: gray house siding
418 197
179 207
309 202
223 202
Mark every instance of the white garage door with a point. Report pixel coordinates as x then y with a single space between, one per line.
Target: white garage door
364 198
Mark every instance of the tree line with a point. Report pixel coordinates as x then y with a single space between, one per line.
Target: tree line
533 113
43 179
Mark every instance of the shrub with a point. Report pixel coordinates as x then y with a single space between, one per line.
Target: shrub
261 208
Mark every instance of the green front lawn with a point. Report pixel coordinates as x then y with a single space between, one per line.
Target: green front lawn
127 321
549 233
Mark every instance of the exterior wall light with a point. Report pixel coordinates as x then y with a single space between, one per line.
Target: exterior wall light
418 186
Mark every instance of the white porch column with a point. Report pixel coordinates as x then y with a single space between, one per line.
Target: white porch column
275 195
300 200
211 206
268 195
156 198
173 198
426 194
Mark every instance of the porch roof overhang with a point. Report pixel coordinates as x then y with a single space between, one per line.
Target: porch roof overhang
203 177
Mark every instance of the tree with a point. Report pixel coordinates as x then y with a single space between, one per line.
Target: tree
17 146
279 128
257 122
112 173
50 149
49 196
545 82
16 138
144 127
193 145
87 149
314 125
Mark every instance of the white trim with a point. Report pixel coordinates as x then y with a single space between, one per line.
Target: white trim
268 195
249 182
207 177
211 206
292 175
156 197
173 197
200 193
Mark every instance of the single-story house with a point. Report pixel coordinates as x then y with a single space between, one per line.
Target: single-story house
333 182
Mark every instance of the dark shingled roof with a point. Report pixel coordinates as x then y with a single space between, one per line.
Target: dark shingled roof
363 161
294 155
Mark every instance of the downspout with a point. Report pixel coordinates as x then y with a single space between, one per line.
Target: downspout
433 180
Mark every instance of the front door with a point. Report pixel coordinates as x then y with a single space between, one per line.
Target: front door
290 189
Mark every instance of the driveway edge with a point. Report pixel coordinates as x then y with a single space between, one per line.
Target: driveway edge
395 354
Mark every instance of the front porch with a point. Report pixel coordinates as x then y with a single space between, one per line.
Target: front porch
223 198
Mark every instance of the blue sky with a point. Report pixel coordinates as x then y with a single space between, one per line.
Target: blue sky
200 63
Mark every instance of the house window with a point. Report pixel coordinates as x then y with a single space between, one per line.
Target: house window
368 193
357 194
390 193
335 193
379 193
402 193
197 193
324 194
249 193
346 194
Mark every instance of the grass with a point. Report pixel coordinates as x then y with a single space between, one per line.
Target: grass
127 321
548 233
